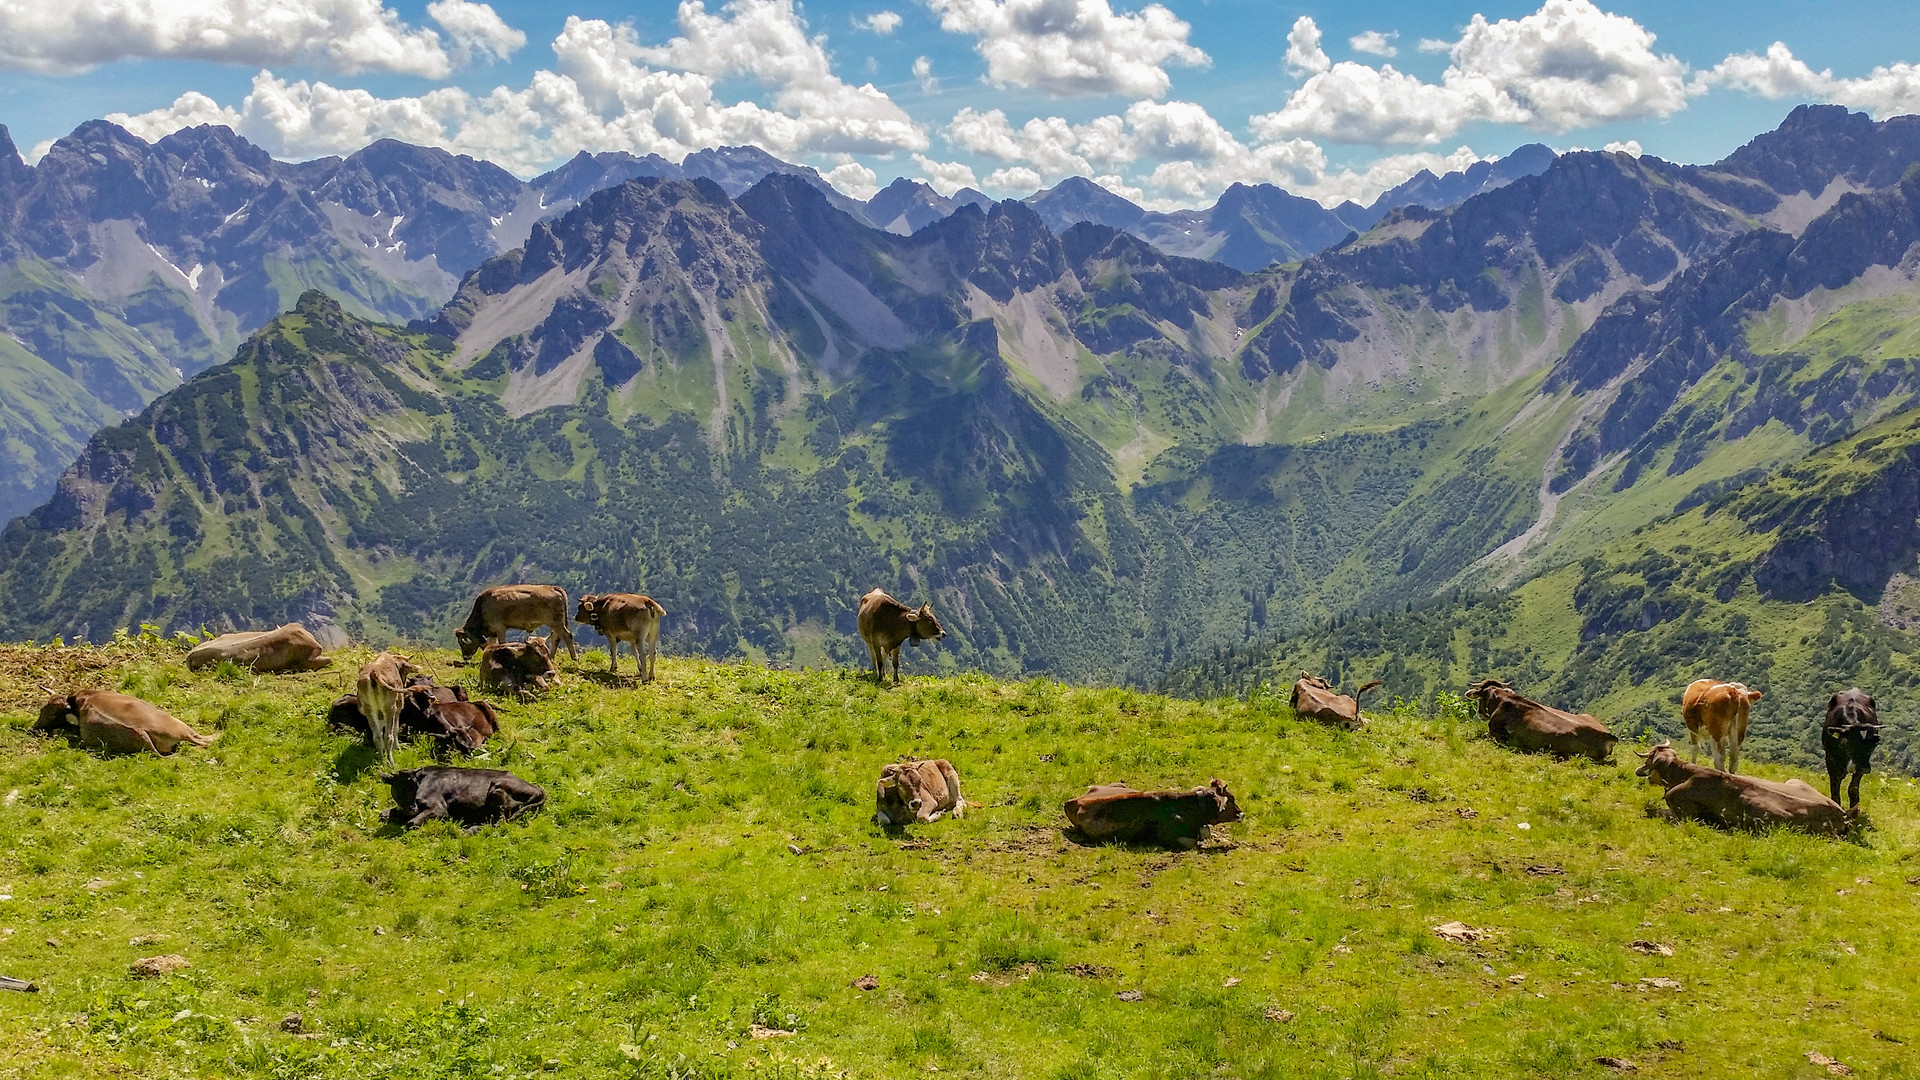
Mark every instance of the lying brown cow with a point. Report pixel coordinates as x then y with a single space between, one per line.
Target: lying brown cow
1719 711
1740 802
885 623
1316 699
1170 818
381 683
515 607
918 792
288 648
517 667
440 713
627 617
1525 724
470 797
117 723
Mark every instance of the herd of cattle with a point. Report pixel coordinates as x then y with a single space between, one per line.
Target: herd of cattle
392 699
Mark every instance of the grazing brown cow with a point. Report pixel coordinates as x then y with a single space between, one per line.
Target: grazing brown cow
440 713
1169 818
515 607
885 623
917 791
1719 711
1525 724
1316 699
117 723
517 667
627 617
288 648
1849 736
381 683
471 797
1740 802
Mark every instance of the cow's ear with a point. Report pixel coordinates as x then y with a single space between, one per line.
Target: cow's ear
912 616
1833 702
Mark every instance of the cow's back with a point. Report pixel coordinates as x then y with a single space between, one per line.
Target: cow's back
882 618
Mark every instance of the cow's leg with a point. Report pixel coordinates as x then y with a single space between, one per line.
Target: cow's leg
1693 743
613 655
1733 754
879 664
1853 789
895 653
1717 749
653 650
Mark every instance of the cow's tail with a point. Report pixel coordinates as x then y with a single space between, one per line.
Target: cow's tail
1374 685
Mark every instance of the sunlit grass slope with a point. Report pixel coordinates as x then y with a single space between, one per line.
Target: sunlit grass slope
656 912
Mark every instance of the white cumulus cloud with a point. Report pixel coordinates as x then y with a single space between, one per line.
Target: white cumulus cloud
945 177
607 91
1888 90
880 22
854 179
68 36
1374 43
1073 47
476 29
1304 54
1565 66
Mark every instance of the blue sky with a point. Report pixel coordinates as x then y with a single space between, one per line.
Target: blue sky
1166 102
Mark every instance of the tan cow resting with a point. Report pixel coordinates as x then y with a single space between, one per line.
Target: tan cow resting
518 667
1740 802
380 689
288 648
515 607
627 617
117 723
1524 724
1719 712
1316 699
918 792
885 623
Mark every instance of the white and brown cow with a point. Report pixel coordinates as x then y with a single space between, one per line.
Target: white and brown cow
1718 711
917 792
287 648
627 617
117 723
515 607
380 689
885 624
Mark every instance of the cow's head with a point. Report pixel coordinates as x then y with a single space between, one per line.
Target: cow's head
470 642
588 611
1225 808
1655 763
924 626
1315 681
894 798
58 714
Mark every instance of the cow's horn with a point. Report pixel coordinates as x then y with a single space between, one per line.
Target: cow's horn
51 692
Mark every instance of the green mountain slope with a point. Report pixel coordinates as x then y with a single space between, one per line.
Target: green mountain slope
1800 585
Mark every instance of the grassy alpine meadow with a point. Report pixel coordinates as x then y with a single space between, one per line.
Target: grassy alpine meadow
705 886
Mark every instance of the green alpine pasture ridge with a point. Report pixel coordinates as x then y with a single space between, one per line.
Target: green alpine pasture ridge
706 886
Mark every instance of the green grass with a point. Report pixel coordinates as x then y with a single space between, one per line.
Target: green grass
654 912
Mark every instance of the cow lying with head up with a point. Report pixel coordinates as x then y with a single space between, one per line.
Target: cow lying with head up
1316 699
1524 724
520 668
288 648
440 713
1740 802
469 797
116 723
917 792
1170 818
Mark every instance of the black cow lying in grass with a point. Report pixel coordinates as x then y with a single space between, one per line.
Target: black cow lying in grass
1849 736
440 713
1170 818
470 797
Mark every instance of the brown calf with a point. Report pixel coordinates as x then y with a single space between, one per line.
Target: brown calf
1316 699
1718 711
917 791
381 683
1525 724
116 723
518 667
885 623
288 648
1170 818
627 617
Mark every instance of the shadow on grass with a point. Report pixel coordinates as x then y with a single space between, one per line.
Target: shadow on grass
612 679
353 762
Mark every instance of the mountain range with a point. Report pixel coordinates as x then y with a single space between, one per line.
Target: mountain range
127 266
1098 459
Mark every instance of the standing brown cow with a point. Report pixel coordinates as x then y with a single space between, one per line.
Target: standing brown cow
515 607
1719 711
885 623
627 617
379 690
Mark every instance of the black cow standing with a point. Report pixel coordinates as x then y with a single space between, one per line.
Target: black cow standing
1849 737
